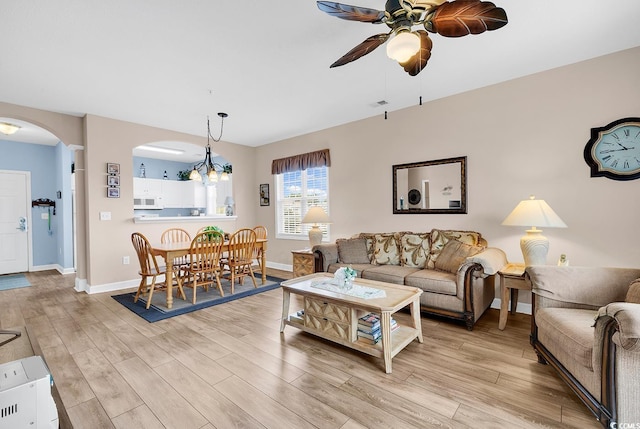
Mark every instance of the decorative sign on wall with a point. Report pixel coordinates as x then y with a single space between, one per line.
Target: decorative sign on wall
113 180
264 194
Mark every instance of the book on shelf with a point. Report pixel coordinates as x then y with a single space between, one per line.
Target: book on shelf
297 317
368 341
376 335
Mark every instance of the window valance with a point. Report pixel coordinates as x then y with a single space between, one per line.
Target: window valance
319 158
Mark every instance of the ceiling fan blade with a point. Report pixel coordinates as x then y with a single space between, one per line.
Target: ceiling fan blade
463 17
362 49
416 63
351 13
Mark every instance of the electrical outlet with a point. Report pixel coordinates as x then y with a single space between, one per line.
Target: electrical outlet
125 260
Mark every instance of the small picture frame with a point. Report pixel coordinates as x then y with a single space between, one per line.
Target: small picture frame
264 194
113 192
113 180
113 169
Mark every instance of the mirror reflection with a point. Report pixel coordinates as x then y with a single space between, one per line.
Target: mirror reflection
438 186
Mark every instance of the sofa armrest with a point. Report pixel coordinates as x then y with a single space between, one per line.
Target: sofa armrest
627 317
592 286
327 253
492 260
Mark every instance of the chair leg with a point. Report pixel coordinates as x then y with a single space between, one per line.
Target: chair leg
233 278
217 276
252 276
195 287
153 287
143 283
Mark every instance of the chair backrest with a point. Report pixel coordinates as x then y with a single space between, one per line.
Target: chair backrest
148 263
205 251
261 233
175 235
242 244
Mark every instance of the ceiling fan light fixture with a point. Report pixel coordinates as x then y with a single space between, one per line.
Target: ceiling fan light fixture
403 46
8 129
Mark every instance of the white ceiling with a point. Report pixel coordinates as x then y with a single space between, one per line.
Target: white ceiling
169 64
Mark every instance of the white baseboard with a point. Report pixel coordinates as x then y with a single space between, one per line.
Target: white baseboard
522 307
281 267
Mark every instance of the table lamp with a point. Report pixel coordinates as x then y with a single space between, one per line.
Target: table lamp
534 213
315 215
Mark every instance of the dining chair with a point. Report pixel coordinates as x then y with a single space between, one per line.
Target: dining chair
175 235
261 234
203 267
149 268
240 256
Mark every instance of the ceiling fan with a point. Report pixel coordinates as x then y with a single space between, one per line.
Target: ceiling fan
412 49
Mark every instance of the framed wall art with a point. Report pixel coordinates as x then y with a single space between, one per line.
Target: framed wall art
113 169
264 194
113 192
113 180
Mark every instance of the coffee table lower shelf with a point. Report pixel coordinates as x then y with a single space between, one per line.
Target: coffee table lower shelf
400 338
334 316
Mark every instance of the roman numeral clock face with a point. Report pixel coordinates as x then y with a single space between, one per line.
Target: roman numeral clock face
613 151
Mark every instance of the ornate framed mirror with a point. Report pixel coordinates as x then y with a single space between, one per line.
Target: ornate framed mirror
438 186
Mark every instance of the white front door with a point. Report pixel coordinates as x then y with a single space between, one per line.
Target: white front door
14 222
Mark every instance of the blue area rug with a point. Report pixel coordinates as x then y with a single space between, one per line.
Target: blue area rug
159 311
13 281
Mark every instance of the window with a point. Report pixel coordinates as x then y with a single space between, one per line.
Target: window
296 192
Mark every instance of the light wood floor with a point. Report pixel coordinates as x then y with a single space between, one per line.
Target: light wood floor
228 366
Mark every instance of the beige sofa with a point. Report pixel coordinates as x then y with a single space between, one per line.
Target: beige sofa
455 269
586 324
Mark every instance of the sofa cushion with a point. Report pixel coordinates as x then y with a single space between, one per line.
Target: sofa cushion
453 255
414 250
568 331
440 237
352 251
633 294
388 273
433 281
386 250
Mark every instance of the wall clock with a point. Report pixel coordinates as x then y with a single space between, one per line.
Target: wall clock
613 151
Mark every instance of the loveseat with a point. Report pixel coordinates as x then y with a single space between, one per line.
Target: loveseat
455 269
586 325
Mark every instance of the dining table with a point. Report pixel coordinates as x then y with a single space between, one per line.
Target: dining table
170 251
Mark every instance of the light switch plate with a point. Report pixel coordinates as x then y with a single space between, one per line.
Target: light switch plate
105 215
44 216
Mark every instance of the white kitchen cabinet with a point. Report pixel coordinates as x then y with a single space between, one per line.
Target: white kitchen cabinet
147 187
187 194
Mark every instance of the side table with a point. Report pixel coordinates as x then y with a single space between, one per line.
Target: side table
511 279
303 262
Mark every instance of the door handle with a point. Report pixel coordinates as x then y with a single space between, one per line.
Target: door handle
23 224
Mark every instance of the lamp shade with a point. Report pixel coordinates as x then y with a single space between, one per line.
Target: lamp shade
228 201
316 215
534 213
403 46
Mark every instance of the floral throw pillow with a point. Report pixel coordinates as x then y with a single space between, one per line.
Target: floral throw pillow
441 237
414 250
386 250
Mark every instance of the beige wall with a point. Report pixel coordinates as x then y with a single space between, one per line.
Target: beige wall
521 137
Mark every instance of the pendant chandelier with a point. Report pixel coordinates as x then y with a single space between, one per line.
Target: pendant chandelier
208 163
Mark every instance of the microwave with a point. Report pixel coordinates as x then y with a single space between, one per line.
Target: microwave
147 203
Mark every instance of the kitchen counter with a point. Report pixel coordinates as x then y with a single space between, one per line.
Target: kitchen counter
160 219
